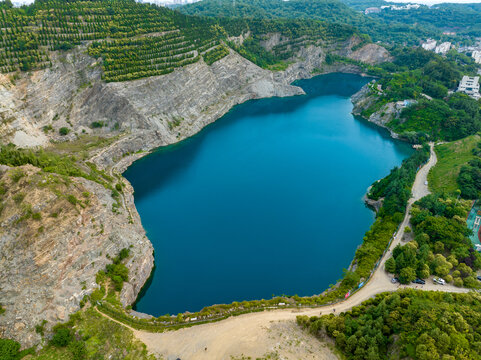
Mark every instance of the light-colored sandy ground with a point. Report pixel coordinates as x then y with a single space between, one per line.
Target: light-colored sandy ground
275 332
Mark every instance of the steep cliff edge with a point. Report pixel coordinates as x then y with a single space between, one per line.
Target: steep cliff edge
367 105
47 265
56 234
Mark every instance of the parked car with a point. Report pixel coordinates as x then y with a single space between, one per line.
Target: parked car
439 281
419 281
394 280
479 278
426 182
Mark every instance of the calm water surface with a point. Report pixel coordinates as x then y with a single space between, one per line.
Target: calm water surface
266 201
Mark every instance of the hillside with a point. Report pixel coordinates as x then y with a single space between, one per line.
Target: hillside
333 11
132 40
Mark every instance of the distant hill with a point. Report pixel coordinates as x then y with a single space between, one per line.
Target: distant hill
333 11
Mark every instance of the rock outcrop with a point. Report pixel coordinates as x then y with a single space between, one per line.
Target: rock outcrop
365 98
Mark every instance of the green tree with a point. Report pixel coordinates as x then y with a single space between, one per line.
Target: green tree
407 275
9 349
390 265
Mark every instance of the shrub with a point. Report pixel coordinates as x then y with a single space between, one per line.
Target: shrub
64 131
72 199
62 336
9 349
16 175
458 282
97 124
18 198
78 350
37 216
391 265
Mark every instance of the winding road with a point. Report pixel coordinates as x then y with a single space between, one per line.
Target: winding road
251 334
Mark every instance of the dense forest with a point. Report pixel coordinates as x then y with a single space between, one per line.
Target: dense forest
405 324
462 19
440 246
469 178
332 11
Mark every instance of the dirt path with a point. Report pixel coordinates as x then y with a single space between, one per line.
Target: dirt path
255 334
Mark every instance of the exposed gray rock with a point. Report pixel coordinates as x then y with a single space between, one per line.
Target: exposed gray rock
48 266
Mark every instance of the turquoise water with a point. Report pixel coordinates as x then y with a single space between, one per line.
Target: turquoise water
474 223
266 201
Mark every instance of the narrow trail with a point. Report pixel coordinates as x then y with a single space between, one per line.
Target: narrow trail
251 334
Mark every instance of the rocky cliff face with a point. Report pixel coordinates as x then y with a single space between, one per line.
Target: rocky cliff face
366 98
52 247
48 265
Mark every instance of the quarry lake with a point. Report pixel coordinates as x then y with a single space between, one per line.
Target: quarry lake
266 201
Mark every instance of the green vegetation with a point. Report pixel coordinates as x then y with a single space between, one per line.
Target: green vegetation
405 324
463 19
10 350
437 119
117 271
135 40
440 247
332 11
63 131
451 158
88 336
52 162
215 54
469 178
407 26
396 187
423 79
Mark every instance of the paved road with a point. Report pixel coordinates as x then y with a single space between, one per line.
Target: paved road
248 334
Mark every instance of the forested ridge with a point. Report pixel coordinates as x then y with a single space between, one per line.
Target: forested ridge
397 26
138 40
333 11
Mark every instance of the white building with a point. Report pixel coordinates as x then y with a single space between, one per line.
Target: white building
443 48
470 86
476 56
429 45
372 10
168 2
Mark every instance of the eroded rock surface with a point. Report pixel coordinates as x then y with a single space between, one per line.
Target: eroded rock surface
48 261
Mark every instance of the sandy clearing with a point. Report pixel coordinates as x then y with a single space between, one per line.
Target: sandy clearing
258 334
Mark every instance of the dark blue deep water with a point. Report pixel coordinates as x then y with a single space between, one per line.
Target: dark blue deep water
267 200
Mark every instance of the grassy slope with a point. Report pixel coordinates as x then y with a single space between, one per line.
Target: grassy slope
451 157
104 339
